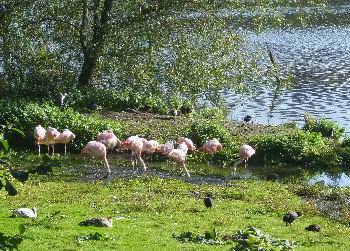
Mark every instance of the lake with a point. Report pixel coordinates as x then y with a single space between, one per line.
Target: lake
319 58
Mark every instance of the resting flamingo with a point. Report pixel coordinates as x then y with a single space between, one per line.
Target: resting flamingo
39 135
135 144
245 152
64 138
97 150
109 139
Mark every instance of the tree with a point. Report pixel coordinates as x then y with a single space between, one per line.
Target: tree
92 48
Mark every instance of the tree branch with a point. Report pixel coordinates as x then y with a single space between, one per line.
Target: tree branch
82 30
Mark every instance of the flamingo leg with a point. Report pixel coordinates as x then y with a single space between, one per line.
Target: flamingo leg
138 156
39 148
107 165
65 149
183 164
234 169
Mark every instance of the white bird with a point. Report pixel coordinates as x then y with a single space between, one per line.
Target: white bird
63 97
25 212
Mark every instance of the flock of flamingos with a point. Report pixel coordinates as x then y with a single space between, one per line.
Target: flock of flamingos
106 140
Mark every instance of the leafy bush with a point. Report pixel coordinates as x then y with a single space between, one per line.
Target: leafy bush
297 146
253 239
209 238
26 116
209 127
324 126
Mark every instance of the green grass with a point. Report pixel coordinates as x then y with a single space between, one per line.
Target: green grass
154 209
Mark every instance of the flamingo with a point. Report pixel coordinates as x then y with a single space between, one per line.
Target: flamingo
245 152
64 138
39 135
50 136
97 150
179 155
211 147
108 139
188 142
150 146
165 148
135 144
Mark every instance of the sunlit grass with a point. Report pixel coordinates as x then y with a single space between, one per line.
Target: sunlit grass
148 211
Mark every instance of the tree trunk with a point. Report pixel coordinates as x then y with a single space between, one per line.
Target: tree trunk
92 49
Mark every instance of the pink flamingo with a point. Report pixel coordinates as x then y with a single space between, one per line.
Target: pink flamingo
64 138
179 155
211 147
97 150
108 139
135 144
51 135
166 148
188 142
150 147
245 152
39 135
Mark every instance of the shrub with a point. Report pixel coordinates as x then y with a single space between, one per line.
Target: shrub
324 126
297 146
25 116
208 125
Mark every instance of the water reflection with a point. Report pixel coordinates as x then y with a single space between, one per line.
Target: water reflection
319 57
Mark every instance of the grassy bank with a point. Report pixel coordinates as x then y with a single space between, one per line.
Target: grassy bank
148 211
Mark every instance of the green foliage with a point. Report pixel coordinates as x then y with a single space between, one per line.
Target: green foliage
253 239
324 126
26 116
7 174
8 242
179 49
209 238
297 146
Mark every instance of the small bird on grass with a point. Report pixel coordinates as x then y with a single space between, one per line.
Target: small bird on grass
98 222
25 212
291 216
208 201
313 227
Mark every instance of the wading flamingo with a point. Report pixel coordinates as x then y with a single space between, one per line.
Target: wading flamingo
135 144
98 151
108 139
211 147
188 142
179 155
245 152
